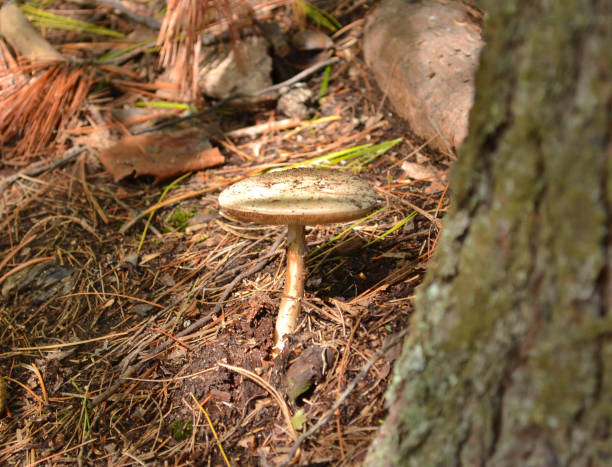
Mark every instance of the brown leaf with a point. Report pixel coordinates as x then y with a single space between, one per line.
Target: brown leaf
162 155
306 370
418 171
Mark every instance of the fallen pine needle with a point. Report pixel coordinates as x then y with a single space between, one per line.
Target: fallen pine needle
36 371
350 388
273 392
70 344
58 454
120 295
3 396
160 204
175 339
32 393
25 265
214 432
16 250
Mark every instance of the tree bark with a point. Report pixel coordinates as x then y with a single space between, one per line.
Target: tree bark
510 358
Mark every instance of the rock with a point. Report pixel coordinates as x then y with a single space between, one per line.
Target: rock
220 75
423 56
295 102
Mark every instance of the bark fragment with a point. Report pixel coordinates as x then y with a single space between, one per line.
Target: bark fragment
512 317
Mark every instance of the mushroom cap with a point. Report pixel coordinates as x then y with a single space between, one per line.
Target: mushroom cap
304 196
310 39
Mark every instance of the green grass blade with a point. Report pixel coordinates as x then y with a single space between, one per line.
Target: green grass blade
107 57
324 83
317 251
40 17
321 17
400 224
353 158
164 105
373 153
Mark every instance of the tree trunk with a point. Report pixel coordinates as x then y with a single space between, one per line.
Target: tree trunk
510 359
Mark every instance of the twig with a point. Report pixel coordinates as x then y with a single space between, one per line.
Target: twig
343 396
149 22
294 79
36 171
273 392
252 270
254 130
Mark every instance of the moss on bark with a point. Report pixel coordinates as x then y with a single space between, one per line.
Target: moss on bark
509 359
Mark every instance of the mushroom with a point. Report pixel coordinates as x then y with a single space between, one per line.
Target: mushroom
297 197
310 39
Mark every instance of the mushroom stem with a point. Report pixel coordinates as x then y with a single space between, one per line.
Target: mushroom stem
294 285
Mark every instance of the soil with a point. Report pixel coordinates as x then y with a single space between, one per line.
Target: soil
115 356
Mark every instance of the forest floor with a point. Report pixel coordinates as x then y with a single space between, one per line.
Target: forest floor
113 355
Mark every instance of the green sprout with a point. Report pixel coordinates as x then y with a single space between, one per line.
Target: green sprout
179 219
181 429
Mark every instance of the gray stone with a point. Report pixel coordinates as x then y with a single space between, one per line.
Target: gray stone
221 75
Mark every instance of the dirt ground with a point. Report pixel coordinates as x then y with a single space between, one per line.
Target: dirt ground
114 356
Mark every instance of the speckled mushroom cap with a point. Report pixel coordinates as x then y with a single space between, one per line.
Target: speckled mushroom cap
304 196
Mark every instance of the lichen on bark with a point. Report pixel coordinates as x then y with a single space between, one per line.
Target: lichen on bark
509 358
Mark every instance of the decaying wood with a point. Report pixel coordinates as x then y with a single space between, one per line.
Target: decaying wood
27 40
423 56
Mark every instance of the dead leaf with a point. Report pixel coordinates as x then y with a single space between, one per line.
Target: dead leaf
162 155
309 368
418 171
